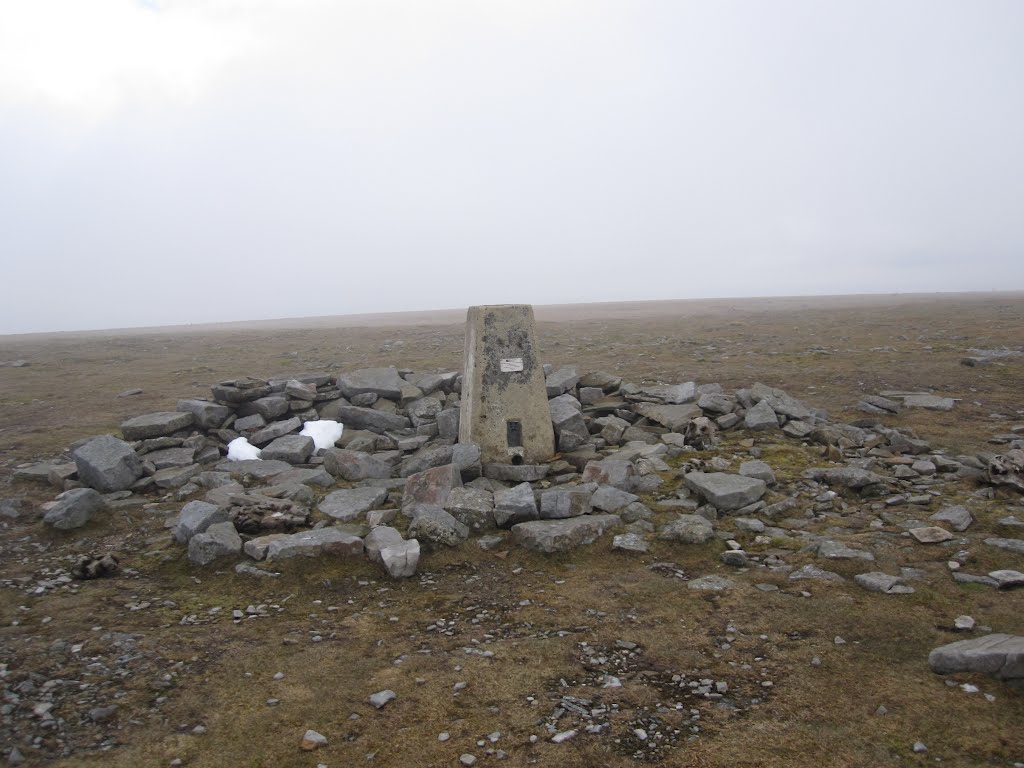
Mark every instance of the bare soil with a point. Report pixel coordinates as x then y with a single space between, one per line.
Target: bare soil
159 641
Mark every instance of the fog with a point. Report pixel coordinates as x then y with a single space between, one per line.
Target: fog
209 160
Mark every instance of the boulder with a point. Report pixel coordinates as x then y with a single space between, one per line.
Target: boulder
74 509
608 498
424 411
269 408
293 449
195 517
383 382
172 457
354 465
877 581
550 536
617 473
205 414
107 464
348 504
781 402
561 381
516 473
217 541
156 424
425 458
759 470
448 424
275 430
379 538
255 468
400 560
998 655
674 417
567 418
956 517
725 491
473 507
688 529
354 417
430 487
328 541
670 394
515 505
565 502
629 542
760 417
431 523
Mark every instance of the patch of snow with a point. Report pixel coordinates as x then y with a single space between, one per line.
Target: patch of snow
325 433
241 449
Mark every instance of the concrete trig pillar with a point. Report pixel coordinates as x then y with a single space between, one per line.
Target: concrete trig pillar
504 398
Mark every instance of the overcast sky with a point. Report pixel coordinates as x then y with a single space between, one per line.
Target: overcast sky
187 161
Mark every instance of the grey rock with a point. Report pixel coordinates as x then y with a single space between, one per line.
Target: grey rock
473 507
998 655
781 402
604 381
634 512
629 542
1007 579
715 404
249 423
877 581
354 465
348 504
614 472
674 417
431 486
248 570
314 476
688 529
426 458
758 470
570 426
725 491
448 423
195 517
734 557
929 402
612 428
431 523
383 382
1011 545
156 424
608 498
205 414
176 477
381 698
561 381
107 464
836 550
254 468
931 534
760 417
814 573
275 430
854 478
881 403
671 394
269 408
560 503
172 457
74 509
240 390
515 505
400 560
217 541
257 548
366 418
550 536
424 411
956 517
749 524
711 583
328 541
380 538
13 508
516 473
293 449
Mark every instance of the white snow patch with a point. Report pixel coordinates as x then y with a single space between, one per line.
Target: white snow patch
325 433
240 449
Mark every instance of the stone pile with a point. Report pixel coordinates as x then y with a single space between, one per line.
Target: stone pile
397 480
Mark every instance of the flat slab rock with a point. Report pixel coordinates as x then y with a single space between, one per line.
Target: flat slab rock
998 655
726 491
257 468
156 424
549 536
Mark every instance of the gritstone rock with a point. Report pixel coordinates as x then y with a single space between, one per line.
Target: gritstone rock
156 425
349 503
998 655
354 465
760 417
107 464
430 487
559 503
206 414
956 517
515 505
725 491
688 529
431 523
195 517
74 508
293 449
562 535
219 540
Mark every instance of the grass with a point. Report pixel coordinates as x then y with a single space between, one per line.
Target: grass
375 634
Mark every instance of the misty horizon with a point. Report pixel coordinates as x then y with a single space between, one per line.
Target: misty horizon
186 163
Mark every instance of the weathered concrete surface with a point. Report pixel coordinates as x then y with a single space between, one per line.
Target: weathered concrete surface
503 382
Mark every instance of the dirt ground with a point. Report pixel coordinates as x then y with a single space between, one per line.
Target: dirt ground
522 631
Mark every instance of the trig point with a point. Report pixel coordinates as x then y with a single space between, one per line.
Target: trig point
504 399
